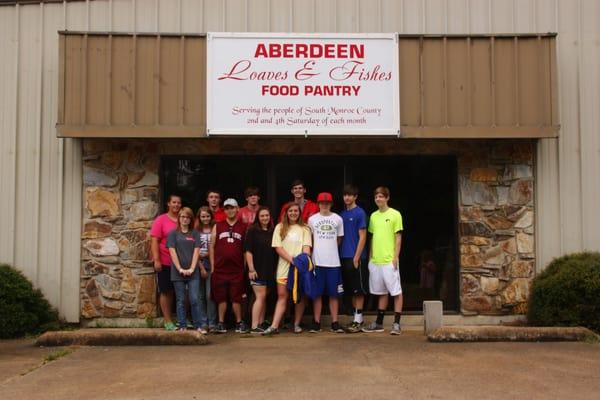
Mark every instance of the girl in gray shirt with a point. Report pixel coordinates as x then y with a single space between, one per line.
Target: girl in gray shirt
184 247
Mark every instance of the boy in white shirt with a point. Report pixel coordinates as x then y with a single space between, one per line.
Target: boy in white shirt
327 229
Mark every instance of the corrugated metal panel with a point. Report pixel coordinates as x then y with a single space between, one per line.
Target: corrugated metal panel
589 101
50 162
451 87
9 78
70 184
35 234
568 184
133 85
548 216
570 141
28 141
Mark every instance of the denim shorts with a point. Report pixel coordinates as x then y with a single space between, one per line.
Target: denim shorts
261 282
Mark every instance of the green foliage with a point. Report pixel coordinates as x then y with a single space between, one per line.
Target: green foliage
567 293
56 355
150 322
23 309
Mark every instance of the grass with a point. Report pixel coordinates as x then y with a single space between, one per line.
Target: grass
102 323
150 322
592 339
55 355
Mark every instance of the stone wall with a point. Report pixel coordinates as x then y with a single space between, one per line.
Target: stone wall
121 195
497 250
120 202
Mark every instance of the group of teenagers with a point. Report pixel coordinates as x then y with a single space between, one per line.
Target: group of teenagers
207 260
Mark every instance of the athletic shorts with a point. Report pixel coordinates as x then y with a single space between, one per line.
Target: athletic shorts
356 280
225 288
384 279
329 281
163 279
261 282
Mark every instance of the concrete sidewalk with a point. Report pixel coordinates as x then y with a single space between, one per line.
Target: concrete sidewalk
20 356
325 365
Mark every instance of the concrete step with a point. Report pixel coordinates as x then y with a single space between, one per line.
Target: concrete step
511 334
121 337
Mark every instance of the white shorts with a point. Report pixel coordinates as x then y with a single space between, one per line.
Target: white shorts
384 279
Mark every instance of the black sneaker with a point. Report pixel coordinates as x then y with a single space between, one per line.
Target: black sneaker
257 331
241 327
337 328
220 328
265 325
315 327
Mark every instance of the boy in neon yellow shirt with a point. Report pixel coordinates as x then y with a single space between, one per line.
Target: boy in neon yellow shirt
385 226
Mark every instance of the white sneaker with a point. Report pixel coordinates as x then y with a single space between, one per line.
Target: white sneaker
395 329
270 331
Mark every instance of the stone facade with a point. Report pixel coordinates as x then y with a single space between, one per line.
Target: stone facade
497 252
121 195
121 200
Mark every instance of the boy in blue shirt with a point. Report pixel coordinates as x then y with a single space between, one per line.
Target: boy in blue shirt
353 255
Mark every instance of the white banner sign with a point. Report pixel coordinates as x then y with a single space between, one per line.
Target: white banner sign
277 84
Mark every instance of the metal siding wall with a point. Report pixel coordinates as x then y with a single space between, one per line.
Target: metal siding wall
146 17
32 184
457 17
569 140
303 16
191 20
43 174
28 146
548 190
49 250
9 47
589 101
236 21
76 16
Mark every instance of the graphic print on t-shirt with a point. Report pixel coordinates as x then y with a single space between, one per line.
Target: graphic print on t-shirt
229 251
326 229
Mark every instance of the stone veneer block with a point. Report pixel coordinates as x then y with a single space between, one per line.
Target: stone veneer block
433 313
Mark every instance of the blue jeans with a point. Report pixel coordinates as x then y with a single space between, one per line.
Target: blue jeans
208 310
193 292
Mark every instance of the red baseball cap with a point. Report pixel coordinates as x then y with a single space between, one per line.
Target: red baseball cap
325 197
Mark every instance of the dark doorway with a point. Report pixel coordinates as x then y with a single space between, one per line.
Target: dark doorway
318 174
423 189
